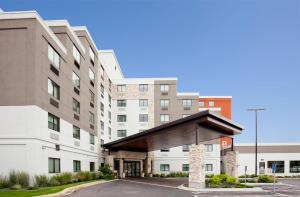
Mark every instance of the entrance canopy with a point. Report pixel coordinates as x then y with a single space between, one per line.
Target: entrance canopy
199 127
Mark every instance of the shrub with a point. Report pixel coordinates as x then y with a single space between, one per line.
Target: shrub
41 181
231 180
83 176
12 178
21 178
106 172
265 179
16 187
53 181
64 178
162 175
215 181
4 183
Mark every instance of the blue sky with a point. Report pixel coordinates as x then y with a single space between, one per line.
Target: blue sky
249 49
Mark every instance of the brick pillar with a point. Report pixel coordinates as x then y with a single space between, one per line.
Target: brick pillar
197 166
230 163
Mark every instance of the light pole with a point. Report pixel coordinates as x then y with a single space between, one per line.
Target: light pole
256 110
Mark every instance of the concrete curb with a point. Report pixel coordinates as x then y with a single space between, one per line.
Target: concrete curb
255 189
70 190
261 184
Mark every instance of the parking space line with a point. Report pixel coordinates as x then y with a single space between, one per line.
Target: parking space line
150 184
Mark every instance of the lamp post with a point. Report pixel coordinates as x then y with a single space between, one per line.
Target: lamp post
256 110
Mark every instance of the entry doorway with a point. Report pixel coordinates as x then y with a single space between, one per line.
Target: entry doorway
132 168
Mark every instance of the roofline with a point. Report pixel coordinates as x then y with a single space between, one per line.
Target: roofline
268 144
187 93
174 123
33 15
113 52
84 28
215 96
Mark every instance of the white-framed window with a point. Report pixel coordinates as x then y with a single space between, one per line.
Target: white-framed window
164 117
164 167
121 118
53 56
121 88
143 102
92 55
165 150
187 102
76 132
76 166
54 165
185 167
209 147
102 71
121 103
76 80
102 108
92 139
164 103
102 90
102 125
164 88
211 103
143 87
91 75
92 97
91 118
185 148
143 117
201 103
76 106
53 89
209 167
76 54
122 133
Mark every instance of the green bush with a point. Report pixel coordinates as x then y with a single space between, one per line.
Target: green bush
21 178
16 187
53 181
231 180
83 176
265 179
178 174
163 175
106 172
12 178
64 178
41 181
215 180
222 180
4 182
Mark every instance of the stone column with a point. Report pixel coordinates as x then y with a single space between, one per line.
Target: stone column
148 166
142 174
197 166
230 163
121 168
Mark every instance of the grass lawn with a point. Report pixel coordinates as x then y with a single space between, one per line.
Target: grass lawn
37 192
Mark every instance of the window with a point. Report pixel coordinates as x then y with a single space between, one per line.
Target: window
185 148
208 147
102 90
76 106
92 139
91 75
102 125
76 132
143 87
109 84
187 102
143 117
121 88
165 150
102 143
109 100
53 122
122 133
92 55
76 54
121 103
211 103
109 131
201 103
208 167
121 118
280 166
54 165
164 103
102 108
102 71
76 166
143 102
164 167
91 118
185 167
164 118
53 89
92 166
53 57
185 115
92 97
164 88
76 80
295 166
109 115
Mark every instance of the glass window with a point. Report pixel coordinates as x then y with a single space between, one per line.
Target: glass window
109 99
92 139
109 115
76 80
121 103
76 106
208 147
53 56
76 54
164 103
201 103
211 103
109 131
295 166
76 132
143 87
164 118
121 88
187 102
122 133
185 167
121 118
280 166
54 165
143 117
53 89
102 125
164 88
185 148
164 167
76 166
92 166
164 150
102 108
92 54
102 71
91 75
209 167
53 122
143 102
91 118
92 97
102 89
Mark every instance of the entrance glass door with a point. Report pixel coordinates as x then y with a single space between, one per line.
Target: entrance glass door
132 168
